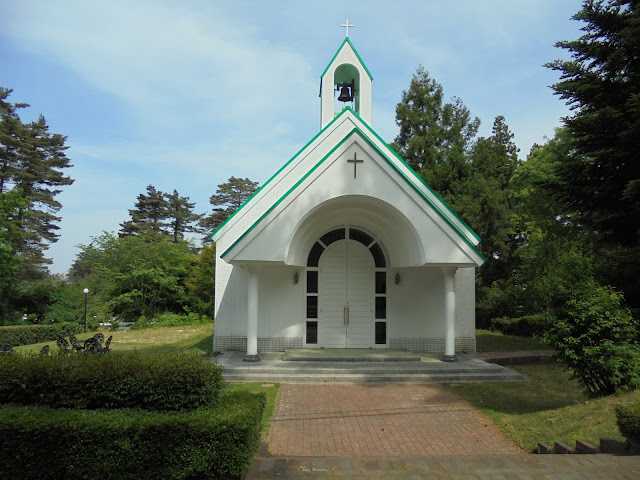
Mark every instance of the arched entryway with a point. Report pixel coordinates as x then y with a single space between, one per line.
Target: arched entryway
346 291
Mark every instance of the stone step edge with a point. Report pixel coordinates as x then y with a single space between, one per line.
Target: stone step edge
374 378
607 445
353 359
361 371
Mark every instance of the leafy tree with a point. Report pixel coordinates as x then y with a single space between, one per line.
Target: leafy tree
434 137
135 277
12 203
228 198
149 215
201 281
598 340
483 199
545 241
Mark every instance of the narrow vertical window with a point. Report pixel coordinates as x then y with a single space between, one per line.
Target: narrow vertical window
312 332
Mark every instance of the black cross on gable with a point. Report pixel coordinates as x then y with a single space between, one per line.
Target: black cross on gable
355 162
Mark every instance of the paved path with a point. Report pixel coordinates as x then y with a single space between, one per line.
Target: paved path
483 467
380 420
406 432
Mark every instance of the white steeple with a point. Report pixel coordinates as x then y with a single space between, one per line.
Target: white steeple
348 75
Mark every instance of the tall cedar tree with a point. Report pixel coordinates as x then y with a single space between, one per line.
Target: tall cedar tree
483 200
32 159
228 198
434 137
601 177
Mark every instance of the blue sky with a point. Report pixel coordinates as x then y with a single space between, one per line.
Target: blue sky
183 95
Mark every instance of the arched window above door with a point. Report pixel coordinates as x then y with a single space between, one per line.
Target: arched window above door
352 234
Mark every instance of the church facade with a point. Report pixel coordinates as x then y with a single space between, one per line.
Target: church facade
345 246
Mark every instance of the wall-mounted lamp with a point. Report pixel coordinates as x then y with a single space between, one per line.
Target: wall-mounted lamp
296 278
397 278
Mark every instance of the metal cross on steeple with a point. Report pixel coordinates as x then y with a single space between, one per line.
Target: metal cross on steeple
347 25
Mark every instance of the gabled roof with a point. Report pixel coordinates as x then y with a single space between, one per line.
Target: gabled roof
346 40
391 158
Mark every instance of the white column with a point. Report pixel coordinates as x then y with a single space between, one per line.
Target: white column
252 316
449 314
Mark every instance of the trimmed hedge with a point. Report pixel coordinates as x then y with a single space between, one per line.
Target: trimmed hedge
525 326
628 420
16 335
84 381
39 442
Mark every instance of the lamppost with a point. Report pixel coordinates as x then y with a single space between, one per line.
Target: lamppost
86 290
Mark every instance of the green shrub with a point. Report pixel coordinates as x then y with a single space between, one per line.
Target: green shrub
39 442
142 322
525 326
169 319
628 420
27 334
598 341
85 381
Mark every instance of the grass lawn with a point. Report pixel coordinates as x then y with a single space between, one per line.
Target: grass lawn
548 408
489 341
188 338
271 392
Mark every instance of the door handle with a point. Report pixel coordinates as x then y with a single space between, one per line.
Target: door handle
344 316
347 314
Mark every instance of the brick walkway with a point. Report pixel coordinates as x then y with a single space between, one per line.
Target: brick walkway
380 421
478 467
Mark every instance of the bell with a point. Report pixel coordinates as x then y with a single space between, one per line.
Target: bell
345 96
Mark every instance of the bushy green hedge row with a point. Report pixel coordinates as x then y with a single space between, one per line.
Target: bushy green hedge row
525 326
16 335
157 382
39 442
628 420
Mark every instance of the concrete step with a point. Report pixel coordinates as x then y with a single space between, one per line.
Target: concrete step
372 378
348 355
395 370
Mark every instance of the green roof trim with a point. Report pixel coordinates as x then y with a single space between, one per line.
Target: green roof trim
421 180
279 170
357 131
347 40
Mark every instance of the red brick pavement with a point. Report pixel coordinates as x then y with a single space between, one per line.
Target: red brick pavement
380 420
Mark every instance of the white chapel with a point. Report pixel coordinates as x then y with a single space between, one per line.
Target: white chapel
345 246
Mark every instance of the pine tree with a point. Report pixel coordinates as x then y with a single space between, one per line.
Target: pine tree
149 215
228 198
181 217
32 159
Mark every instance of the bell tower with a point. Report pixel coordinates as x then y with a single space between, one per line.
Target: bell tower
346 82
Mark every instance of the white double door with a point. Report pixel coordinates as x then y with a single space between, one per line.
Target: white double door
347 276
